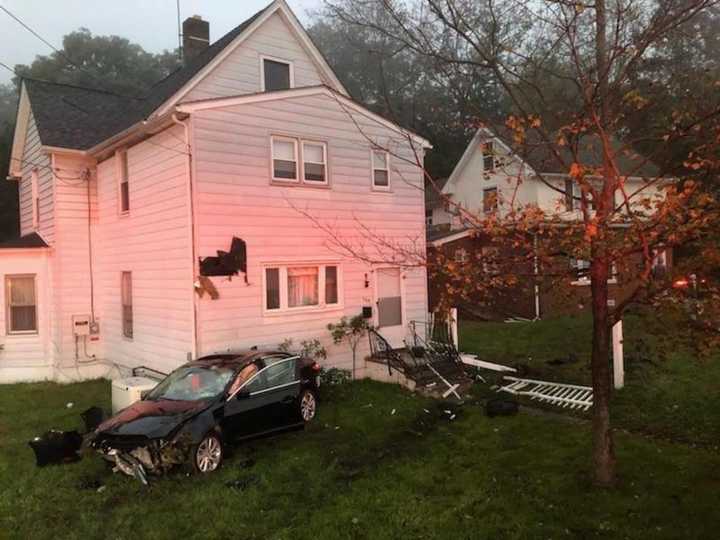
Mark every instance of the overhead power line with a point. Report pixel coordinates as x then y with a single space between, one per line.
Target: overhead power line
46 42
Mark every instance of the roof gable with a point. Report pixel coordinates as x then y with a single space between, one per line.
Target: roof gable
210 60
79 118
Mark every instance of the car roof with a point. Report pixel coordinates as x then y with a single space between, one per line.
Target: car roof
234 360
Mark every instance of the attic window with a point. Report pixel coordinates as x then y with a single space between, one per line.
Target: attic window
488 153
276 74
123 184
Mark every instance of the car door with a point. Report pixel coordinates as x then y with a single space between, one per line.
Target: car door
242 414
266 401
282 386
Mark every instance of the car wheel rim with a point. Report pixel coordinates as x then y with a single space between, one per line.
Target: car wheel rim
307 406
209 454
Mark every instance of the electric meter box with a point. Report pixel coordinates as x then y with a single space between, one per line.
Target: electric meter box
127 391
81 325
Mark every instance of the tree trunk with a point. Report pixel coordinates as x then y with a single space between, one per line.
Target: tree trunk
603 447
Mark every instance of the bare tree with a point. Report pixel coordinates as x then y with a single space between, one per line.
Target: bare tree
567 67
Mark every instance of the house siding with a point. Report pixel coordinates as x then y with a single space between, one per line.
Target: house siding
75 205
239 73
35 158
29 356
154 243
234 197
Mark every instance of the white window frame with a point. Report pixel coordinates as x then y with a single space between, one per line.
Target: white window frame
325 182
120 156
283 267
585 280
375 186
290 63
487 190
35 189
8 319
461 256
491 145
298 166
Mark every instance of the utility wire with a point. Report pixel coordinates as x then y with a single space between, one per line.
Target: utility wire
46 42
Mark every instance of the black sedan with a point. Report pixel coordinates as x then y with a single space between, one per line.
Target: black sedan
190 416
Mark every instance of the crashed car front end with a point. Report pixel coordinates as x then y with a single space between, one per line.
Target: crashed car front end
138 456
150 437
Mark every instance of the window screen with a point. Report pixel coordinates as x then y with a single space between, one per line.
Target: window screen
331 285
277 75
314 162
127 309
21 304
284 159
272 288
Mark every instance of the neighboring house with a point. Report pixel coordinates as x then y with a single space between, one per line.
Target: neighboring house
495 175
167 227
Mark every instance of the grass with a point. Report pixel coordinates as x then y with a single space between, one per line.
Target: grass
669 391
361 472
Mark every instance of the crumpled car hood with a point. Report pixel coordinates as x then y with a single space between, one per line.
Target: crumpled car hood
153 419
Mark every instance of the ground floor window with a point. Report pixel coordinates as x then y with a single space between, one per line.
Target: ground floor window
21 300
289 287
127 307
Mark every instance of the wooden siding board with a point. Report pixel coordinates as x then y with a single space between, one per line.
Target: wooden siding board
239 73
235 198
152 242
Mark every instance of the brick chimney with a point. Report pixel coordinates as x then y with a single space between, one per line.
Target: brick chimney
196 37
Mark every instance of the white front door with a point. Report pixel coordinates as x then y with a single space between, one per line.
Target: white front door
390 321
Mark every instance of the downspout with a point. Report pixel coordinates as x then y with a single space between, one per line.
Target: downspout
193 236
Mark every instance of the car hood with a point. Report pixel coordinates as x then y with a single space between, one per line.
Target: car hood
152 419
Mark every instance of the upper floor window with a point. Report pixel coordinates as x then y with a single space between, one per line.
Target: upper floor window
287 152
21 304
428 216
490 200
127 304
314 162
276 74
284 156
381 169
123 182
581 269
488 152
302 286
34 181
461 256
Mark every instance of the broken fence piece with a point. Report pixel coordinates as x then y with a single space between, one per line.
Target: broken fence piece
472 360
563 395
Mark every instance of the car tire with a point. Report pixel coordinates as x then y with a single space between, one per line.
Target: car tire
307 406
207 456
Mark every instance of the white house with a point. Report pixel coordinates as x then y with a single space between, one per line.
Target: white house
123 199
496 174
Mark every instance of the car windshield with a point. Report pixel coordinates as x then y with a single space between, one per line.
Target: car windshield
192 383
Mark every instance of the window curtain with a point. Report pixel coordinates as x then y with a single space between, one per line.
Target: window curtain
303 286
23 315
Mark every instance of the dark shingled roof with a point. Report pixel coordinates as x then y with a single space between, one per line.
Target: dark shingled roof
74 117
540 156
79 118
32 240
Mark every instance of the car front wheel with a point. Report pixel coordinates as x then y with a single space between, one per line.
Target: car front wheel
308 405
208 454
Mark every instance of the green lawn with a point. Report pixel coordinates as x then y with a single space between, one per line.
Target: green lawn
669 391
361 472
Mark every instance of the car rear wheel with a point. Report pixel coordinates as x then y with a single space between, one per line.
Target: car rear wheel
308 406
208 454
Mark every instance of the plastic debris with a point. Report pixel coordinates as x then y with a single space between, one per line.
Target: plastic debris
392 412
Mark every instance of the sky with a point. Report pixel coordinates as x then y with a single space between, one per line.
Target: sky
151 23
